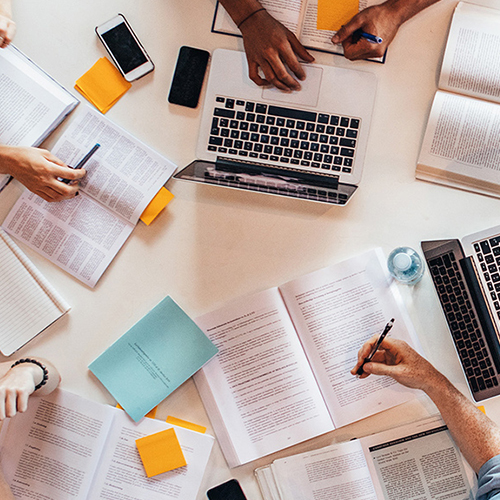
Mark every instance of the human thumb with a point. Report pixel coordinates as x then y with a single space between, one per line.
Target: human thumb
346 30
380 369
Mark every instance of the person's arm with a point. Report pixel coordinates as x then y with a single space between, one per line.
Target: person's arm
475 434
7 25
381 20
17 384
268 45
39 170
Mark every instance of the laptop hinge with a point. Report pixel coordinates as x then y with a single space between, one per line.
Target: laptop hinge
287 173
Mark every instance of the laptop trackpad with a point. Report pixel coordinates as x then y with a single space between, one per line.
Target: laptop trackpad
307 96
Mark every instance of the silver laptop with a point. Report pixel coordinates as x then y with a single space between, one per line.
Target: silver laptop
308 144
466 275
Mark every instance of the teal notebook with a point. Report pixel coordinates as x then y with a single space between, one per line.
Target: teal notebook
153 358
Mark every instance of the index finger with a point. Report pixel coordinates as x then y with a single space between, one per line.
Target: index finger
279 69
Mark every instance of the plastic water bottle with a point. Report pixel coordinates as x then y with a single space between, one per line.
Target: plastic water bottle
405 265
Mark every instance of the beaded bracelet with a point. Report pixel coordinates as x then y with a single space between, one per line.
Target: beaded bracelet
250 15
34 361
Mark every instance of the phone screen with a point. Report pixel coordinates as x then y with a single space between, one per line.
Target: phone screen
124 47
227 491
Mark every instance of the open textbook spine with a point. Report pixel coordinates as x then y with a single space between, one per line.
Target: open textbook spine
66 446
33 103
28 302
461 146
299 16
83 235
418 460
282 374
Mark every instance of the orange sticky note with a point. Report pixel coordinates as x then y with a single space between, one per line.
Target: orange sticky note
482 409
186 424
160 452
157 204
102 85
151 414
332 14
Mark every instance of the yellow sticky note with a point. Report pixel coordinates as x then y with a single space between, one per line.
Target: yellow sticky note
482 409
102 85
160 452
151 414
186 424
157 204
332 14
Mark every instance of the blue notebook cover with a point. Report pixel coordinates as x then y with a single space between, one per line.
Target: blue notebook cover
153 358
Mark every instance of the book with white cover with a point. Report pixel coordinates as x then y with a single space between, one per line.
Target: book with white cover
32 104
28 302
82 235
461 147
282 374
66 446
418 460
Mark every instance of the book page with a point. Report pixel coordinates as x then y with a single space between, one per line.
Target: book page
51 452
462 142
310 36
337 472
260 381
31 103
28 304
79 235
419 461
287 12
337 309
471 65
124 174
121 474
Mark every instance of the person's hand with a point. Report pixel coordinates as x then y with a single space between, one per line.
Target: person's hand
38 170
270 46
380 20
398 360
16 386
7 25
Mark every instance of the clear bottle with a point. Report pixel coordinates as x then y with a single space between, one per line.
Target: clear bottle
406 265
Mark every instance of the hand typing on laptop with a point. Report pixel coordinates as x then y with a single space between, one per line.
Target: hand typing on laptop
270 46
7 25
39 170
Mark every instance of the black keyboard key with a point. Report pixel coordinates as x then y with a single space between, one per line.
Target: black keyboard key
297 114
258 148
314 146
323 118
215 141
288 152
494 242
308 155
351 133
354 123
313 137
212 148
304 145
334 120
238 144
226 113
340 132
248 146
274 130
324 148
294 134
348 162
323 139
250 107
344 122
320 128
228 143
283 132
315 164
310 127
224 132
254 137
261 108
350 143
230 103
233 151
485 247
347 152
333 140
304 163
280 122
334 150
294 143
300 125
261 118
244 136
235 134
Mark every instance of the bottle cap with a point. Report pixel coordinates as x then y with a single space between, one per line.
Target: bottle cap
402 261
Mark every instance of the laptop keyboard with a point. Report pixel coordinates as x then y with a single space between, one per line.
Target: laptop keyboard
318 141
463 323
488 254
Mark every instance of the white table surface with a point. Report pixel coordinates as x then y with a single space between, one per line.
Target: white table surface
212 245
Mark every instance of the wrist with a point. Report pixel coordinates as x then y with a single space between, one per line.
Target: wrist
36 368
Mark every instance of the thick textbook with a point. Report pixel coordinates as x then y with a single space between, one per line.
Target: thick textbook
299 16
28 302
461 147
66 446
418 460
32 104
84 234
158 354
282 372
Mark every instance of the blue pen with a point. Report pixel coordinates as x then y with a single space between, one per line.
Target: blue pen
371 38
84 160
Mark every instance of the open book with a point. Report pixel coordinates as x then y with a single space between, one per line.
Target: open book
83 235
461 147
282 372
299 16
28 303
418 460
32 104
66 446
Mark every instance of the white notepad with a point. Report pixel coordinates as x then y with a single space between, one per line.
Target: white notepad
28 302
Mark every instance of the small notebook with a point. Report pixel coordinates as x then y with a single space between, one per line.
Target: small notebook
28 303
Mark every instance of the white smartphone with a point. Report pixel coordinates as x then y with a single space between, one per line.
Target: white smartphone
125 48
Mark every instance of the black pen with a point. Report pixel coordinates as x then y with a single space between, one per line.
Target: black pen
376 346
84 160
